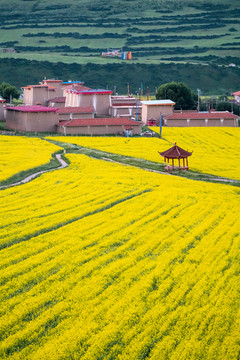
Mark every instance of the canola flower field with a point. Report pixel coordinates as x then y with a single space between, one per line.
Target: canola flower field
103 261
215 150
19 153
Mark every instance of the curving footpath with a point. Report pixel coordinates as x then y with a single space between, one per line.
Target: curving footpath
31 177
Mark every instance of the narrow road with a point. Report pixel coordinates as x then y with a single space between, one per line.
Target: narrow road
32 176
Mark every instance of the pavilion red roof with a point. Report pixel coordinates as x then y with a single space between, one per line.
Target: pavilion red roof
79 109
99 122
202 115
175 152
34 108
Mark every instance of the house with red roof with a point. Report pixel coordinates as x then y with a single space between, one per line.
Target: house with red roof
237 96
77 112
35 118
58 101
214 118
99 126
48 91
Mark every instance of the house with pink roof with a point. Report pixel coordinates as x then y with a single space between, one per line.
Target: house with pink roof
237 96
35 118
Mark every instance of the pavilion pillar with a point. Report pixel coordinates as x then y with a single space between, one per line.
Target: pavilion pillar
187 162
179 165
172 163
183 162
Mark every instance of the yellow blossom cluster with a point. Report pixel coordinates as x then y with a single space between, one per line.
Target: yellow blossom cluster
19 153
215 149
103 261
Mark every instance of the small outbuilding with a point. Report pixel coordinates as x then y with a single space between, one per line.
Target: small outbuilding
155 108
175 153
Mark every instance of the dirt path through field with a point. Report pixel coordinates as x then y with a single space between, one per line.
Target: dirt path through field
32 176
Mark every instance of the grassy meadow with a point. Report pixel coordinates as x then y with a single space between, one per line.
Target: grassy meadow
156 31
104 261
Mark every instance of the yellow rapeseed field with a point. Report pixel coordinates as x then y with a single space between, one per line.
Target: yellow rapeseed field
215 150
103 261
19 153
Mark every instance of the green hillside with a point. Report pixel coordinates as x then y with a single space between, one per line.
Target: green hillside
155 31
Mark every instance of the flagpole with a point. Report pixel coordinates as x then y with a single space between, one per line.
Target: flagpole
160 124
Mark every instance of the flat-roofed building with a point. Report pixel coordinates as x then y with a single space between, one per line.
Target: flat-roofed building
152 109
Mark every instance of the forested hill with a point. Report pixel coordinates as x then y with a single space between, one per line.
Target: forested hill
157 32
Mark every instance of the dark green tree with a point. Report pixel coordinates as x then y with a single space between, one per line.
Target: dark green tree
7 90
180 93
227 106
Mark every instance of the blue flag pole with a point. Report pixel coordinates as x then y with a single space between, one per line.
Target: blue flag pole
160 132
